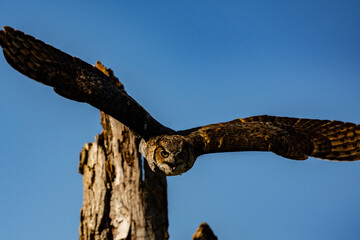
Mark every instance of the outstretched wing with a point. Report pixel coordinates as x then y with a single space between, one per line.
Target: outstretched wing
77 80
292 138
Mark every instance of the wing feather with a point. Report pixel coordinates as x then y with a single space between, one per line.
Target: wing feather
293 138
77 80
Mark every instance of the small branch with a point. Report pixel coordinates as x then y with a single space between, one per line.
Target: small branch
204 232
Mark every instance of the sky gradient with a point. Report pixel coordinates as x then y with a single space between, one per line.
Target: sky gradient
189 64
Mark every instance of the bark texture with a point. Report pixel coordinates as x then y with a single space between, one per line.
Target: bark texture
123 198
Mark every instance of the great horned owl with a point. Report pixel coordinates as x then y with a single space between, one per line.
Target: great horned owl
174 152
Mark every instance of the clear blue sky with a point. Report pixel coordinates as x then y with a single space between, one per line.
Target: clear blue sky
189 63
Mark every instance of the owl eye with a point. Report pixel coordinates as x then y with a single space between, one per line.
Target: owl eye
164 153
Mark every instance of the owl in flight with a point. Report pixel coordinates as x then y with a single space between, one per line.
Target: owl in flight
168 151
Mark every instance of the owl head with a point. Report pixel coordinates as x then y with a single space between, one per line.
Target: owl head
168 154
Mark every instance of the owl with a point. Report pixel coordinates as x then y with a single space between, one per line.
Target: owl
167 151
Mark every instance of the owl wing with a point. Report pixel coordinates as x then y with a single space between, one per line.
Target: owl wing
77 80
293 138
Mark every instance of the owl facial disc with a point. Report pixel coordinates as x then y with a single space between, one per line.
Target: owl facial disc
168 154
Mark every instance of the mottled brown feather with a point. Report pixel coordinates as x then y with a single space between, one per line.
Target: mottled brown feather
293 138
77 80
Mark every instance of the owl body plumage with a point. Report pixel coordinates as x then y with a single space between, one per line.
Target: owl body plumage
174 152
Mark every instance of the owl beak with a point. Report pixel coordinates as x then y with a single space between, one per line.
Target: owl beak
172 166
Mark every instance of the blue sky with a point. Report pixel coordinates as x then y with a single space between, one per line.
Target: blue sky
189 63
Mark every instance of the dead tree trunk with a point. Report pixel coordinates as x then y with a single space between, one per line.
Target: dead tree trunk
123 198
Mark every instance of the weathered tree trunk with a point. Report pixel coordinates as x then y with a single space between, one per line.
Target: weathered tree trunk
123 198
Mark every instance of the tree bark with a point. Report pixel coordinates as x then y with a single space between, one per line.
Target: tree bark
123 198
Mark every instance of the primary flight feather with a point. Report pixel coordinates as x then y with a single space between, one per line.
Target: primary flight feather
174 152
